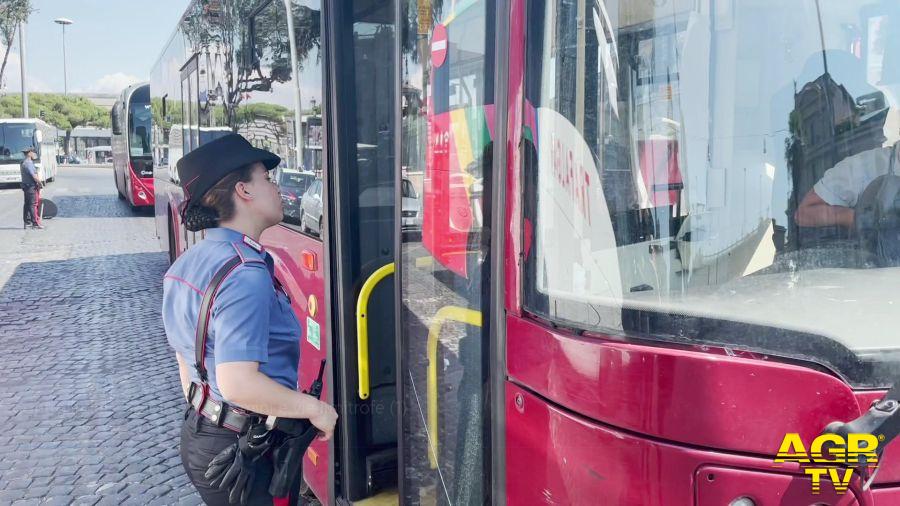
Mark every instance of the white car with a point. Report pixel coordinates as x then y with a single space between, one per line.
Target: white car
411 207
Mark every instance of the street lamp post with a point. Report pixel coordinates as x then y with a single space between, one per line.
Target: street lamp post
64 22
22 69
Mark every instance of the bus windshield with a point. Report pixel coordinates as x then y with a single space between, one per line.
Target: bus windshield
139 123
139 119
693 179
14 137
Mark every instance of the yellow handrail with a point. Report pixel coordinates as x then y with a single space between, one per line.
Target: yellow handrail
362 327
453 313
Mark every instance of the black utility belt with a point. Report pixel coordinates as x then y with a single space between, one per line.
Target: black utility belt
220 413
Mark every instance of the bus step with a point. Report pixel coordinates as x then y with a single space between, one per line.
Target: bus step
381 469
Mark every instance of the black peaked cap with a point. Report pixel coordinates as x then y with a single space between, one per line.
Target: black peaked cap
205 166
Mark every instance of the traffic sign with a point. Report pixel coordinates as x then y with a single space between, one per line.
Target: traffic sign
438 45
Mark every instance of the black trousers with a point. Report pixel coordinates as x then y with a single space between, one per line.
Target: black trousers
201 440
29 211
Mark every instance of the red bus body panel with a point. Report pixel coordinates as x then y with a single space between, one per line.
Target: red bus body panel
556 457
286 247
672 404
138 184
696 398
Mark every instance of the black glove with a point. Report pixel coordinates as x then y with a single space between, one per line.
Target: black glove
287 459
235 467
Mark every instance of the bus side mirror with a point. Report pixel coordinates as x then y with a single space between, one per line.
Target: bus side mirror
38 136
114 121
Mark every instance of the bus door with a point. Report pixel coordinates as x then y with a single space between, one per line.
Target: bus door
361 191
190 128
447 132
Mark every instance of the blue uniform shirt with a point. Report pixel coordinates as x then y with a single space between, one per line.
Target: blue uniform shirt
251 321
28 171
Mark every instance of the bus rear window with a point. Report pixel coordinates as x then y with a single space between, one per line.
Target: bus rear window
690 180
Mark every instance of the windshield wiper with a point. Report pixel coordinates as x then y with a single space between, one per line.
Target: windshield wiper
882 420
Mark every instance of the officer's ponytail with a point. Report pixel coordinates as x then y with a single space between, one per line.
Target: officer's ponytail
198 218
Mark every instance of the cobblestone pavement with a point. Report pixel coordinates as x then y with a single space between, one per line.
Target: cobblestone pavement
89 396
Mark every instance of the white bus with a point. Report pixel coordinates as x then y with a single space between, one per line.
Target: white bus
17 134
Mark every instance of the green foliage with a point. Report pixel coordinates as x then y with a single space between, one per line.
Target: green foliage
173 113
64 112
272 113
254 58
13 12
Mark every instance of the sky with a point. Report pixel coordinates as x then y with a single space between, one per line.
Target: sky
112 44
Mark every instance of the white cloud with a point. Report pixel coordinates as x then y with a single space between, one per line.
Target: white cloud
12 81
112 83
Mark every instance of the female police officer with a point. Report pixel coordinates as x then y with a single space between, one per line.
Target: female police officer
247 362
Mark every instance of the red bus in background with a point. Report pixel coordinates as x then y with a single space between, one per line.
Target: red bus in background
610 300
460 127
131 120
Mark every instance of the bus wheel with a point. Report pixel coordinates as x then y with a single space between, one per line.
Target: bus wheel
118 191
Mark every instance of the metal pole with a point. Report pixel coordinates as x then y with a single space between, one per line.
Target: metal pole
298 99
65 71
22 68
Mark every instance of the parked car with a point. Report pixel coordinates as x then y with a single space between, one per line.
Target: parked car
411 210
311 209
293 184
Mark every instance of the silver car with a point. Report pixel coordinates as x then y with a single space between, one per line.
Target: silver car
411 205
311 209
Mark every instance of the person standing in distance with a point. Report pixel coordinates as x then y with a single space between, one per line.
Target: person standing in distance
31 184
249 357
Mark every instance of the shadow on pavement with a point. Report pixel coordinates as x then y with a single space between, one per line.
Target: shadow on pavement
97 206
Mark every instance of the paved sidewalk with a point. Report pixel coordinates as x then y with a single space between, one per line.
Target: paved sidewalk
89 395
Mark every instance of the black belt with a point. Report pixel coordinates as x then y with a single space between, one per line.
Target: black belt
218 412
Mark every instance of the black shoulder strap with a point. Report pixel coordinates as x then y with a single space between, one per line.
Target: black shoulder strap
205 309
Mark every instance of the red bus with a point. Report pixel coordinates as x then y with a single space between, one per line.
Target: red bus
131 146
630 286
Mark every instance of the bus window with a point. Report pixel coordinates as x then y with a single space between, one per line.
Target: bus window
270 104
688 179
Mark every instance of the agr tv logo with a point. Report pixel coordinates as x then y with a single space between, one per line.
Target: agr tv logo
831 456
